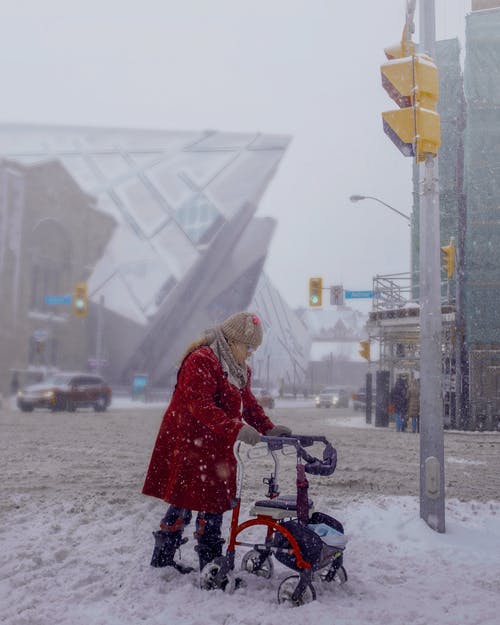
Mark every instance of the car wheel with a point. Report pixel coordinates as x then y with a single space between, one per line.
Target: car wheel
100 405
70 406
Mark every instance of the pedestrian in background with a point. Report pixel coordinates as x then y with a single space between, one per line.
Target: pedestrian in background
414 402
399 400
193 466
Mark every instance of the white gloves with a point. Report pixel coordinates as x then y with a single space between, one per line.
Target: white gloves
279 430
248 435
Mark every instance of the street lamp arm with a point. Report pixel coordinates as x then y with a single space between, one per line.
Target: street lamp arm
357 198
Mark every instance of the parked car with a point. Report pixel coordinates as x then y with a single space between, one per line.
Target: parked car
264 397
331 397
66 391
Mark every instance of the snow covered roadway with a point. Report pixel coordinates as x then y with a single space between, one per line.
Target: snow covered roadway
76 532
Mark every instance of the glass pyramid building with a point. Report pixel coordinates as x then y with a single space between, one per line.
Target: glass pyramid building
186 249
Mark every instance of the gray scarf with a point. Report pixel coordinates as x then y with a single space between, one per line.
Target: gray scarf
236 373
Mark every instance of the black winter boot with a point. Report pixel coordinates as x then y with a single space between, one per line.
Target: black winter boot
208 529
207 552
166 544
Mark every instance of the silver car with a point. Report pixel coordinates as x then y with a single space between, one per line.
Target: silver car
332 398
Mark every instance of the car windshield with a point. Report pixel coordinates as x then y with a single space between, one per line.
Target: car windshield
57 380
331 390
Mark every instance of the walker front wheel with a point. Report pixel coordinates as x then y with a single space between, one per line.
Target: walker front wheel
253 562
209 580
287 589
338 576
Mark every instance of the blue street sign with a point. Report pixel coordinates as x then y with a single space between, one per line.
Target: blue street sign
358 294
55 300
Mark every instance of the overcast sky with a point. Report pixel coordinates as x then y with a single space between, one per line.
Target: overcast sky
306 68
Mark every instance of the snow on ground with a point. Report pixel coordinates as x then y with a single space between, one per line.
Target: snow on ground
68 563
76 541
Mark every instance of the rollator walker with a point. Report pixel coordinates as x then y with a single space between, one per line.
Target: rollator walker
308 542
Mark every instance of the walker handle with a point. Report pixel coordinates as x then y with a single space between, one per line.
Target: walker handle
315 466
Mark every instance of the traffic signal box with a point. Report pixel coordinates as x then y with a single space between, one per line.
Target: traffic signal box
80 300
315 292
365 349
412 82
449 259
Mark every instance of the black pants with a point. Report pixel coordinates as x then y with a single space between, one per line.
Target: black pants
208 530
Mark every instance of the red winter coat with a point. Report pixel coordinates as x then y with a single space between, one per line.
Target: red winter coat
193 465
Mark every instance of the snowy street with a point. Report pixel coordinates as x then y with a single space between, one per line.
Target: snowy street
76 532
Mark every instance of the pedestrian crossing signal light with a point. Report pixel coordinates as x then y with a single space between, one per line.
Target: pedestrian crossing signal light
412 81
364 352
449 259
80 300
315 292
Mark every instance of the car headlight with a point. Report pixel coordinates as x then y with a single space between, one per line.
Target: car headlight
48 394
20 393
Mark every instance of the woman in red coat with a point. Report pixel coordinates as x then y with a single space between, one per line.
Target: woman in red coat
193 466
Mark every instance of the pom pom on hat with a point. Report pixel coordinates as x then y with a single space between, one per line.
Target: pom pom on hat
243 327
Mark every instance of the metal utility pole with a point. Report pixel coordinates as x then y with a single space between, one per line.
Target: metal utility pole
431 408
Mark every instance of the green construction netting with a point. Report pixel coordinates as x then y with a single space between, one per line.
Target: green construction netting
450 108
482 178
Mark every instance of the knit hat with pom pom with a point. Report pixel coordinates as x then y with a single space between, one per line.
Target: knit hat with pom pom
243 327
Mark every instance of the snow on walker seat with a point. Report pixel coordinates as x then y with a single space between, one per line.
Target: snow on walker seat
329 535
279 508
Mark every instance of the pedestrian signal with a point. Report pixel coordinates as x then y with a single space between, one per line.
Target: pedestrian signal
412 81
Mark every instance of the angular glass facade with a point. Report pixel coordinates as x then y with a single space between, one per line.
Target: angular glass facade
185 250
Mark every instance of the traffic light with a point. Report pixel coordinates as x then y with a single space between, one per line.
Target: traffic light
449 258
365 349
315 292
404 48
412 82
80 300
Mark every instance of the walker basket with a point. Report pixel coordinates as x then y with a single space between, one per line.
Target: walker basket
312 547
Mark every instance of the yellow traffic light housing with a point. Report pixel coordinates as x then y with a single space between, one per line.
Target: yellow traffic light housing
80 300
449 259
413 83
364 352
414 131
405 47
315 292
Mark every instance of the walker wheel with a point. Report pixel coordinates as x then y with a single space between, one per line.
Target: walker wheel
339 577
287 588
251 563
208 579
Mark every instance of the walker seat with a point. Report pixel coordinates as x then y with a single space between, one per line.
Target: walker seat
283 507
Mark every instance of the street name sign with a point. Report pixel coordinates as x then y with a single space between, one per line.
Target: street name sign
56 300
358 294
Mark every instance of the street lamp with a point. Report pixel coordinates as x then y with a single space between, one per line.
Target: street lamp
357 198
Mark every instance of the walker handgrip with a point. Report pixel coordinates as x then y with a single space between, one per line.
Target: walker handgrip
313 465
325 466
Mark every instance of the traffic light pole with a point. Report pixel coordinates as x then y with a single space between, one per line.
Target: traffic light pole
98 347
431 407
